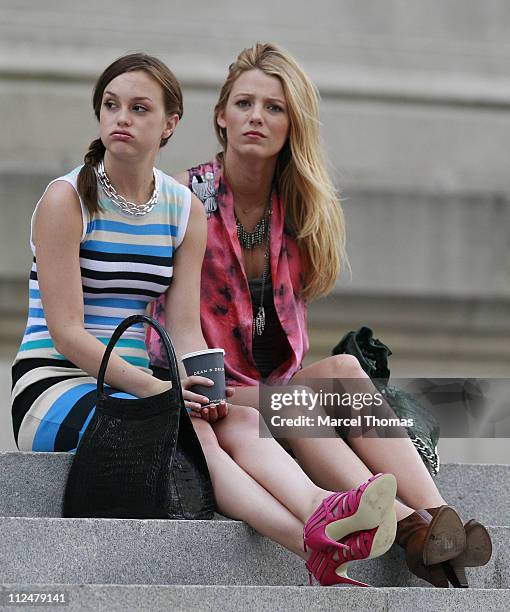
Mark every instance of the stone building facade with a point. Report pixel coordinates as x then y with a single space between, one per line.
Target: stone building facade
415 113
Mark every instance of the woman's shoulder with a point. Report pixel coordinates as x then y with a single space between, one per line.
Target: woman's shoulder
202 170
60 190
170 184
57 197
182 178
198 173
71 178
59 214
202 180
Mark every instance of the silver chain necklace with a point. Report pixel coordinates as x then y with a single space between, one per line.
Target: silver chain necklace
259 321
250 240
128 208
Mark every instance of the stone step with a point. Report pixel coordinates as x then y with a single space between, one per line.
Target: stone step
221 552
32 484
182 598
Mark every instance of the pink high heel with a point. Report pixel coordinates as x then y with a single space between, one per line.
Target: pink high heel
328 570
329 567
356 510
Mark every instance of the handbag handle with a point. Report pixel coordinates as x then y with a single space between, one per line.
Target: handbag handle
167 343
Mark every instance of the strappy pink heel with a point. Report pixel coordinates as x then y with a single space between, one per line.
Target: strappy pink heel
329 567
356 510
328 570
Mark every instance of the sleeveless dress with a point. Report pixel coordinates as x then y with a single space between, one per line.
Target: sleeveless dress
126 262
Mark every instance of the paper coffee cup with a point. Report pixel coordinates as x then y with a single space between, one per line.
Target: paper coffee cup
208 363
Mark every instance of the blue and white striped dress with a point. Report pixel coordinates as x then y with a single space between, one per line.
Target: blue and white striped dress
126 262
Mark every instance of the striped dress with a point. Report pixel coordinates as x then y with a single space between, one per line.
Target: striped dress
126 262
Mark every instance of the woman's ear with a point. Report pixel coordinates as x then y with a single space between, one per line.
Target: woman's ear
170 125
220 120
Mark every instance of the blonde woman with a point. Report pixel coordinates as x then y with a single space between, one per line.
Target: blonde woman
276 237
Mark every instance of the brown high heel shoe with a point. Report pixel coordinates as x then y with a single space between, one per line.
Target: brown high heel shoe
477 552
430 541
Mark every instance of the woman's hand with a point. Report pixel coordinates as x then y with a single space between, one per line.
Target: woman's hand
195 402
214 412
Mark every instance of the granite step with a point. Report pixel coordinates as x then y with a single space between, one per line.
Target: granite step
32 484
221 552
200 598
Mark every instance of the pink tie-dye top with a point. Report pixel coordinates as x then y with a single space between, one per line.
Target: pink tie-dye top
225 303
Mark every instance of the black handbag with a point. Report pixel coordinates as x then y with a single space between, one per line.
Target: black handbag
140 458
373 355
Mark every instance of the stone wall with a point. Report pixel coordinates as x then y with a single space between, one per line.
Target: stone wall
415 113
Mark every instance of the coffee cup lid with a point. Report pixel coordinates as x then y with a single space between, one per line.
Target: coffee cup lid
204 352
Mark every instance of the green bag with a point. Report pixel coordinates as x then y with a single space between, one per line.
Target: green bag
373 355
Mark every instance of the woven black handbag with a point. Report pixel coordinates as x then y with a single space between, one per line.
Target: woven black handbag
373 355
140 458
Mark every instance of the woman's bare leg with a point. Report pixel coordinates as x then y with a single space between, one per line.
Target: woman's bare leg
332 464
329 462
266 461
396 455
240 497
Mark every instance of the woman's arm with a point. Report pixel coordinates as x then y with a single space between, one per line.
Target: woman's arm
182 310
56 234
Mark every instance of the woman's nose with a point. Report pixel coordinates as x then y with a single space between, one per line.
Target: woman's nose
256 114
123 118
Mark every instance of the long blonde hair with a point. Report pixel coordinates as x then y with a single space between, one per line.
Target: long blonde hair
313 209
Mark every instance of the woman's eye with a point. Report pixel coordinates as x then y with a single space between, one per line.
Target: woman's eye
109 104
243 103
139 109
275 108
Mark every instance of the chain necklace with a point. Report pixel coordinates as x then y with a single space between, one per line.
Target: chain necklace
128 208
259 321
250 240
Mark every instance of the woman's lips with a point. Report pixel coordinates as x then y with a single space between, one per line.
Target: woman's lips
254 135
121 136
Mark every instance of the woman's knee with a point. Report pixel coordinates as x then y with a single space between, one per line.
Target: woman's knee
344 366
242 420
240 425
